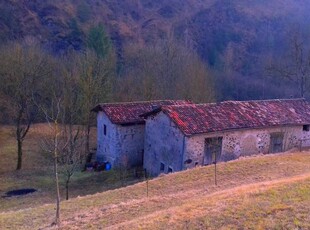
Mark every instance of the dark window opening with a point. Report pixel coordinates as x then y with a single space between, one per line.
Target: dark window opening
104 129
196 164
170 170
162 167
306 128
276 142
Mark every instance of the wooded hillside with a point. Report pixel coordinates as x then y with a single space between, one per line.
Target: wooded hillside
236 39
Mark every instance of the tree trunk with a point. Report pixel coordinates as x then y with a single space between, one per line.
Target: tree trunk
20 135
19 140
67 189
215 179
87 138
302 87
57 220
87 152
19 153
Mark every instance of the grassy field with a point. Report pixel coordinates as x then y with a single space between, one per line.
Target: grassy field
37 173
262 192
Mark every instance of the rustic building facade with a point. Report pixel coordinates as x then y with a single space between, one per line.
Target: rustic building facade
120 131
184 136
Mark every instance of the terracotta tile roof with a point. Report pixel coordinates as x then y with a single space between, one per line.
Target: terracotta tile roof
203 118
129 112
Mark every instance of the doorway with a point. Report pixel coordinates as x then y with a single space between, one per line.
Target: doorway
276 142
213 150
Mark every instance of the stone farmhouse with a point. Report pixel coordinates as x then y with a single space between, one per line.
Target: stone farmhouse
120 131
179 137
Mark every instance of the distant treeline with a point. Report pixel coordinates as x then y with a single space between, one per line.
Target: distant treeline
237 40
30 75
37 86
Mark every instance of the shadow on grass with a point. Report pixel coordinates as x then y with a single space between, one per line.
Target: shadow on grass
19 192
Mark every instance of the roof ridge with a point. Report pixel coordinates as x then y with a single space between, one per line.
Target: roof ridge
267 100
230 101
139 102
190 104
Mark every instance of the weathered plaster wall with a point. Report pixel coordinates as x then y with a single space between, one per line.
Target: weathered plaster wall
122 145
305 139
243 143
129 145
104 142
163 144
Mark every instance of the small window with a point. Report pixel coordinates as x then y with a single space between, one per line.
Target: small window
162 167
170 170
196 164
105 130
306 128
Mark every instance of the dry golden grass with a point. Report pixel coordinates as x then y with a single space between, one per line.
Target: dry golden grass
37 172
261 192
271 191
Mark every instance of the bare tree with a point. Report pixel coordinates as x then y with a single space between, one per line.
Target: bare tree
97 67
165 70
22 67
60 106
296 65
71 158
50 103
73 155
51 143
95 84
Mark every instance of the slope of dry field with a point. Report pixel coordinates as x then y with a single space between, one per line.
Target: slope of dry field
263 192
37 172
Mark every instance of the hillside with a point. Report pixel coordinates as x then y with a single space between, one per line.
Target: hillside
264 192
58 23
237 39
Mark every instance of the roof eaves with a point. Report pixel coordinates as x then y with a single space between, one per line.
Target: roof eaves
242 128
130 123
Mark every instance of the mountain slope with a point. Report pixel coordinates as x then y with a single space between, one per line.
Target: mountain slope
146 21
237 39
271 191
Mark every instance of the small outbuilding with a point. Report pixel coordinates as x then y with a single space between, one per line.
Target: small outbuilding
120 131
178 137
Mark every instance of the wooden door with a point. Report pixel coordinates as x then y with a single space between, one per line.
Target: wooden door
276 142
213 150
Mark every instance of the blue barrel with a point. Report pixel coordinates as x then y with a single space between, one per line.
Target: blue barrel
108 166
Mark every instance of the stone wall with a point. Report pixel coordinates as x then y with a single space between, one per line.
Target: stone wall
244 143
122 145
130 145
163 145
305 138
